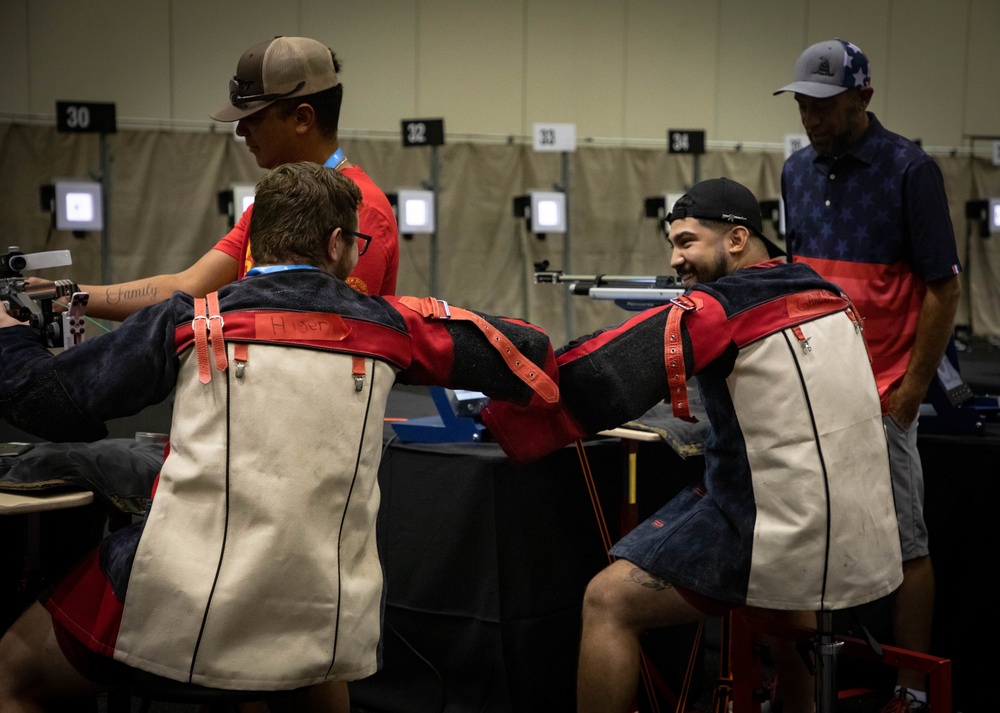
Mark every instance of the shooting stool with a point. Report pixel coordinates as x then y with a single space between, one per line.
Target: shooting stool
746 631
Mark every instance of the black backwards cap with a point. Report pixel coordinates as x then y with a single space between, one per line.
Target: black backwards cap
723 201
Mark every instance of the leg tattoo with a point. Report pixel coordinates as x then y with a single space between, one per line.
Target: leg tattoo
645 579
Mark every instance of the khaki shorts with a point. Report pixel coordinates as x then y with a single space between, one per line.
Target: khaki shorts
907 488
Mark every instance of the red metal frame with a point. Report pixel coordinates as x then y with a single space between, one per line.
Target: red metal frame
746 630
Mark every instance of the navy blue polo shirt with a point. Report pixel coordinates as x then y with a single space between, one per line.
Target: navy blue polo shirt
876 222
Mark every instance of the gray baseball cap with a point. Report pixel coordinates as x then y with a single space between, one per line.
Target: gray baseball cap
829 68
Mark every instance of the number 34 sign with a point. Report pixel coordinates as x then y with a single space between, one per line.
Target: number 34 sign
686 141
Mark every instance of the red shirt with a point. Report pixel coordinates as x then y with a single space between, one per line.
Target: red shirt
375 273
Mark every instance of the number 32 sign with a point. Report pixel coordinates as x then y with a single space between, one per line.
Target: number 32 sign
423 132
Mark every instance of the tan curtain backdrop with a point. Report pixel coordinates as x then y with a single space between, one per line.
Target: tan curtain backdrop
164 215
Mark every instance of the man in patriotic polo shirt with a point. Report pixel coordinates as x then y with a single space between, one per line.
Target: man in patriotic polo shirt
867 209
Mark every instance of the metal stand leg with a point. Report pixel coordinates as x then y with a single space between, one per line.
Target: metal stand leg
827 649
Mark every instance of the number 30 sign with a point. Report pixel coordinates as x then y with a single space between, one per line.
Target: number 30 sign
85 117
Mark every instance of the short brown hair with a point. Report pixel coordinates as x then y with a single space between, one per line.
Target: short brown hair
297 205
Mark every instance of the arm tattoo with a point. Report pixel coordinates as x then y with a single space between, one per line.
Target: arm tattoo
147 293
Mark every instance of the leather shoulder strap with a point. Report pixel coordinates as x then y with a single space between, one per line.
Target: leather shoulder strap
673 356
526 370
207 326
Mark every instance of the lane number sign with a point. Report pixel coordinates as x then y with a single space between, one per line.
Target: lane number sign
85 117
554 137
686 141
423 132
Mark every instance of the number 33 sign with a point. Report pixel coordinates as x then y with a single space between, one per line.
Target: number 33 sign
554 137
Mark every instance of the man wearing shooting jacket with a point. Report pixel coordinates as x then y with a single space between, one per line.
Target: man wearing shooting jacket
795 511
256 567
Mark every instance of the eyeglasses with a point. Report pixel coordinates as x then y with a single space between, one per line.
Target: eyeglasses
235 87
365 241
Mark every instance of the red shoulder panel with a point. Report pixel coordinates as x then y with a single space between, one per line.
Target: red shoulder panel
314 330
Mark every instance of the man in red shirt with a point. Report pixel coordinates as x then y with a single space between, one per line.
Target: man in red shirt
286 98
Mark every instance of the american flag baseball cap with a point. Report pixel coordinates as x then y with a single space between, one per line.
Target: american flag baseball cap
829 68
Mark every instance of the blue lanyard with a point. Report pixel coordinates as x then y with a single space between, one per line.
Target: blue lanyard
335 160
265 269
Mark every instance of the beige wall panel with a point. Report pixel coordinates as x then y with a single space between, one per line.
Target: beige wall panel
863 22
982 81
752 56
374 43
377 43
574 59
14 54
625 69
669 79
927 40
470 66
207 41
112 51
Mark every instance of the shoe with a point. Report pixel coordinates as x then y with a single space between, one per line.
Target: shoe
771 686
904 702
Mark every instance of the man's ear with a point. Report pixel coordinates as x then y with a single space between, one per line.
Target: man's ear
305 118
865 96
335 246
738 240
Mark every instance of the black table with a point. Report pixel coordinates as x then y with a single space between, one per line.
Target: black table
486 566
962 491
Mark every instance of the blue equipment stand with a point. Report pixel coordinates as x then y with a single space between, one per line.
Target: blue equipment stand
446 427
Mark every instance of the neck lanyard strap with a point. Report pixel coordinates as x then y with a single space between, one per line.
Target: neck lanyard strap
266 269
335 160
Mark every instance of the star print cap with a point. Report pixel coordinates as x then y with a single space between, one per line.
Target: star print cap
724 201
277 69
829 68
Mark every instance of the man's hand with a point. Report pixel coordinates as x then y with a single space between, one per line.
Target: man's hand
38 283
6 320
934 328
904 407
